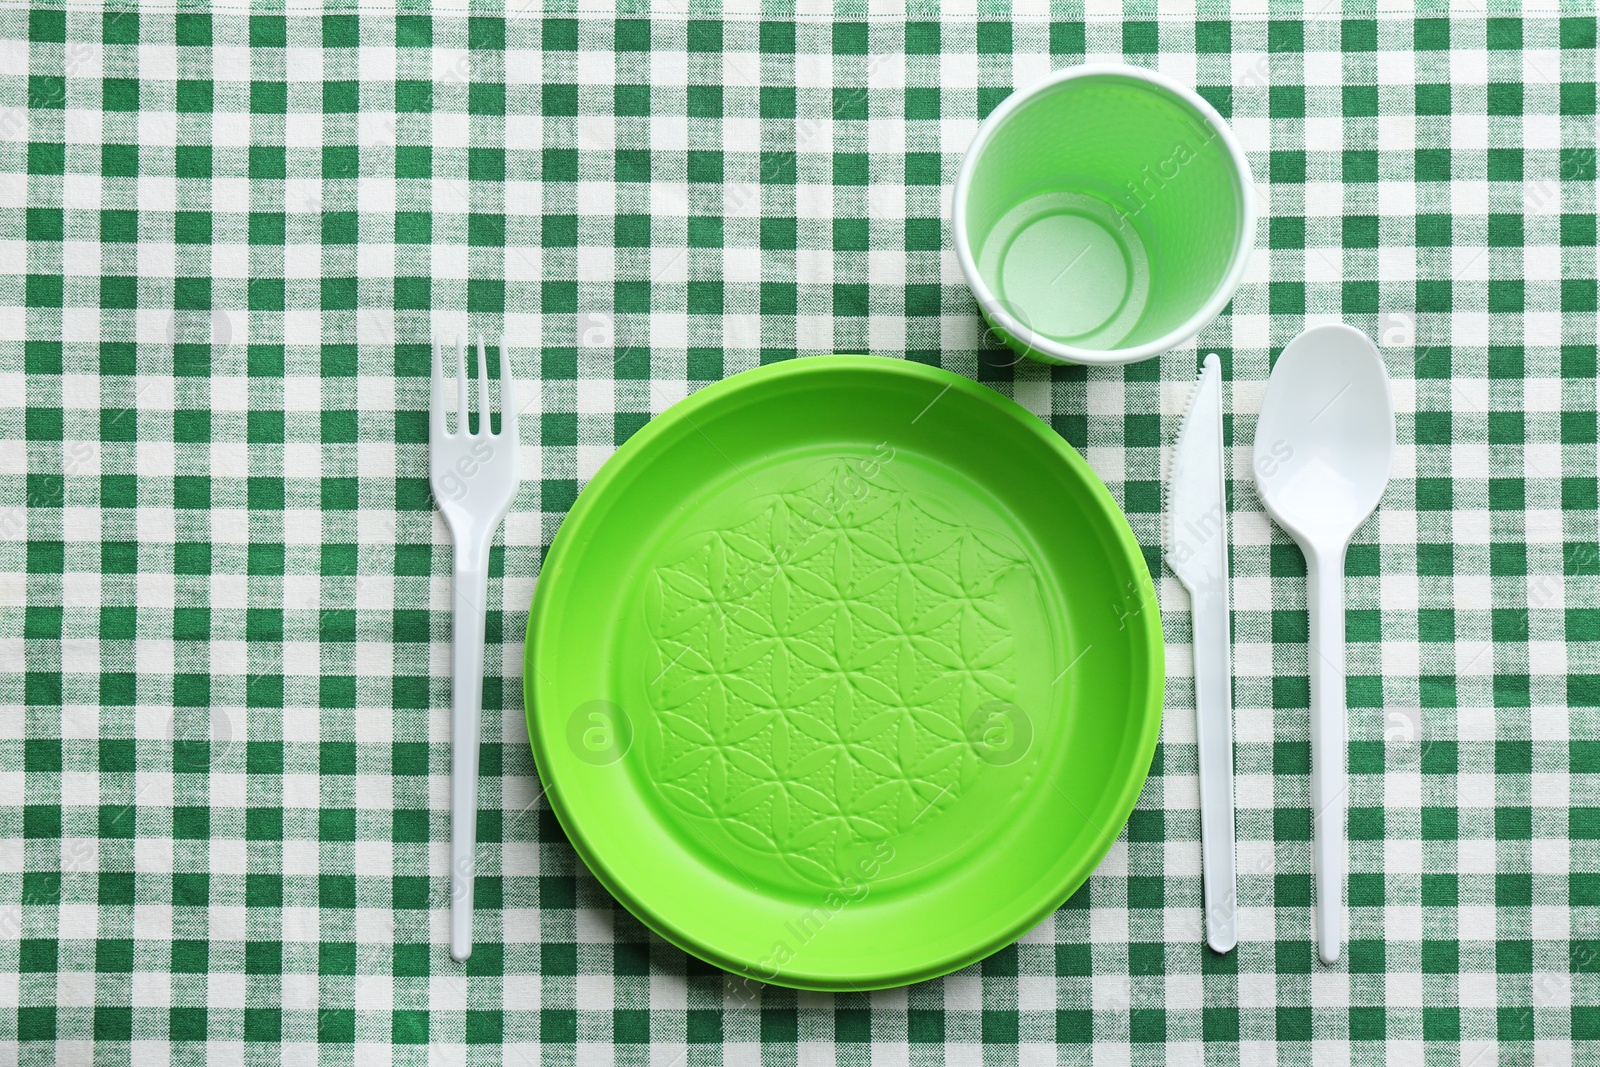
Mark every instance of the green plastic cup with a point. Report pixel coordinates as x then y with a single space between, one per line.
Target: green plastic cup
1103 215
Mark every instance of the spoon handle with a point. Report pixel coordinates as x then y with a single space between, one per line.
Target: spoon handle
1329 793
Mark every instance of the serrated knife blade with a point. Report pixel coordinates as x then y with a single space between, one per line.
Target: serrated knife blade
1197 513
1197 552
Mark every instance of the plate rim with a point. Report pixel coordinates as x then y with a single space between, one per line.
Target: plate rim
577 518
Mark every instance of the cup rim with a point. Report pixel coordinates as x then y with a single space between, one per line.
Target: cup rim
1053 351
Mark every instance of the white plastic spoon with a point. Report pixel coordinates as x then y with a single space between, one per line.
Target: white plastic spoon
1324 446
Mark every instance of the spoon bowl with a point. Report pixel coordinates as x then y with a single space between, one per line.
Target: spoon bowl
1325 440
1324 448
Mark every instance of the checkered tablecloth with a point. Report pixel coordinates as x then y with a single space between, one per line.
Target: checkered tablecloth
225 241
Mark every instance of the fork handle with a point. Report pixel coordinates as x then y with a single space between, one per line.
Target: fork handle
466 689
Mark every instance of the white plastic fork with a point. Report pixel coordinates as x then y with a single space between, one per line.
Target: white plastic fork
474 475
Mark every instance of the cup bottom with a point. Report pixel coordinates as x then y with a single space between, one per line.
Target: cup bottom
1069 268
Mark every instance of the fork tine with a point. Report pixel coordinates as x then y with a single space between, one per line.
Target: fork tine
508 393
436 427
461 385
484 425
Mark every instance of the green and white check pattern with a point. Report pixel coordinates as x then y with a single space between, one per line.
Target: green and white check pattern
224 593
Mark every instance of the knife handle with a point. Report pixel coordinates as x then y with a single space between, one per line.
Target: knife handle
1213 695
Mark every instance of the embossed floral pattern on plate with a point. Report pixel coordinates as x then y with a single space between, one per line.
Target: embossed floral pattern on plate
819 661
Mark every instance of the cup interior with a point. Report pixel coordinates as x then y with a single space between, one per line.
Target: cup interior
1104 211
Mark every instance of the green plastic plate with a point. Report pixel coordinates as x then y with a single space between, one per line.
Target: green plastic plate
844 673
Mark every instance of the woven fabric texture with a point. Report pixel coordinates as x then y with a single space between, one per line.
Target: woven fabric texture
225 241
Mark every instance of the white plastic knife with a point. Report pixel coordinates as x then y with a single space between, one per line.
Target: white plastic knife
1196 531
